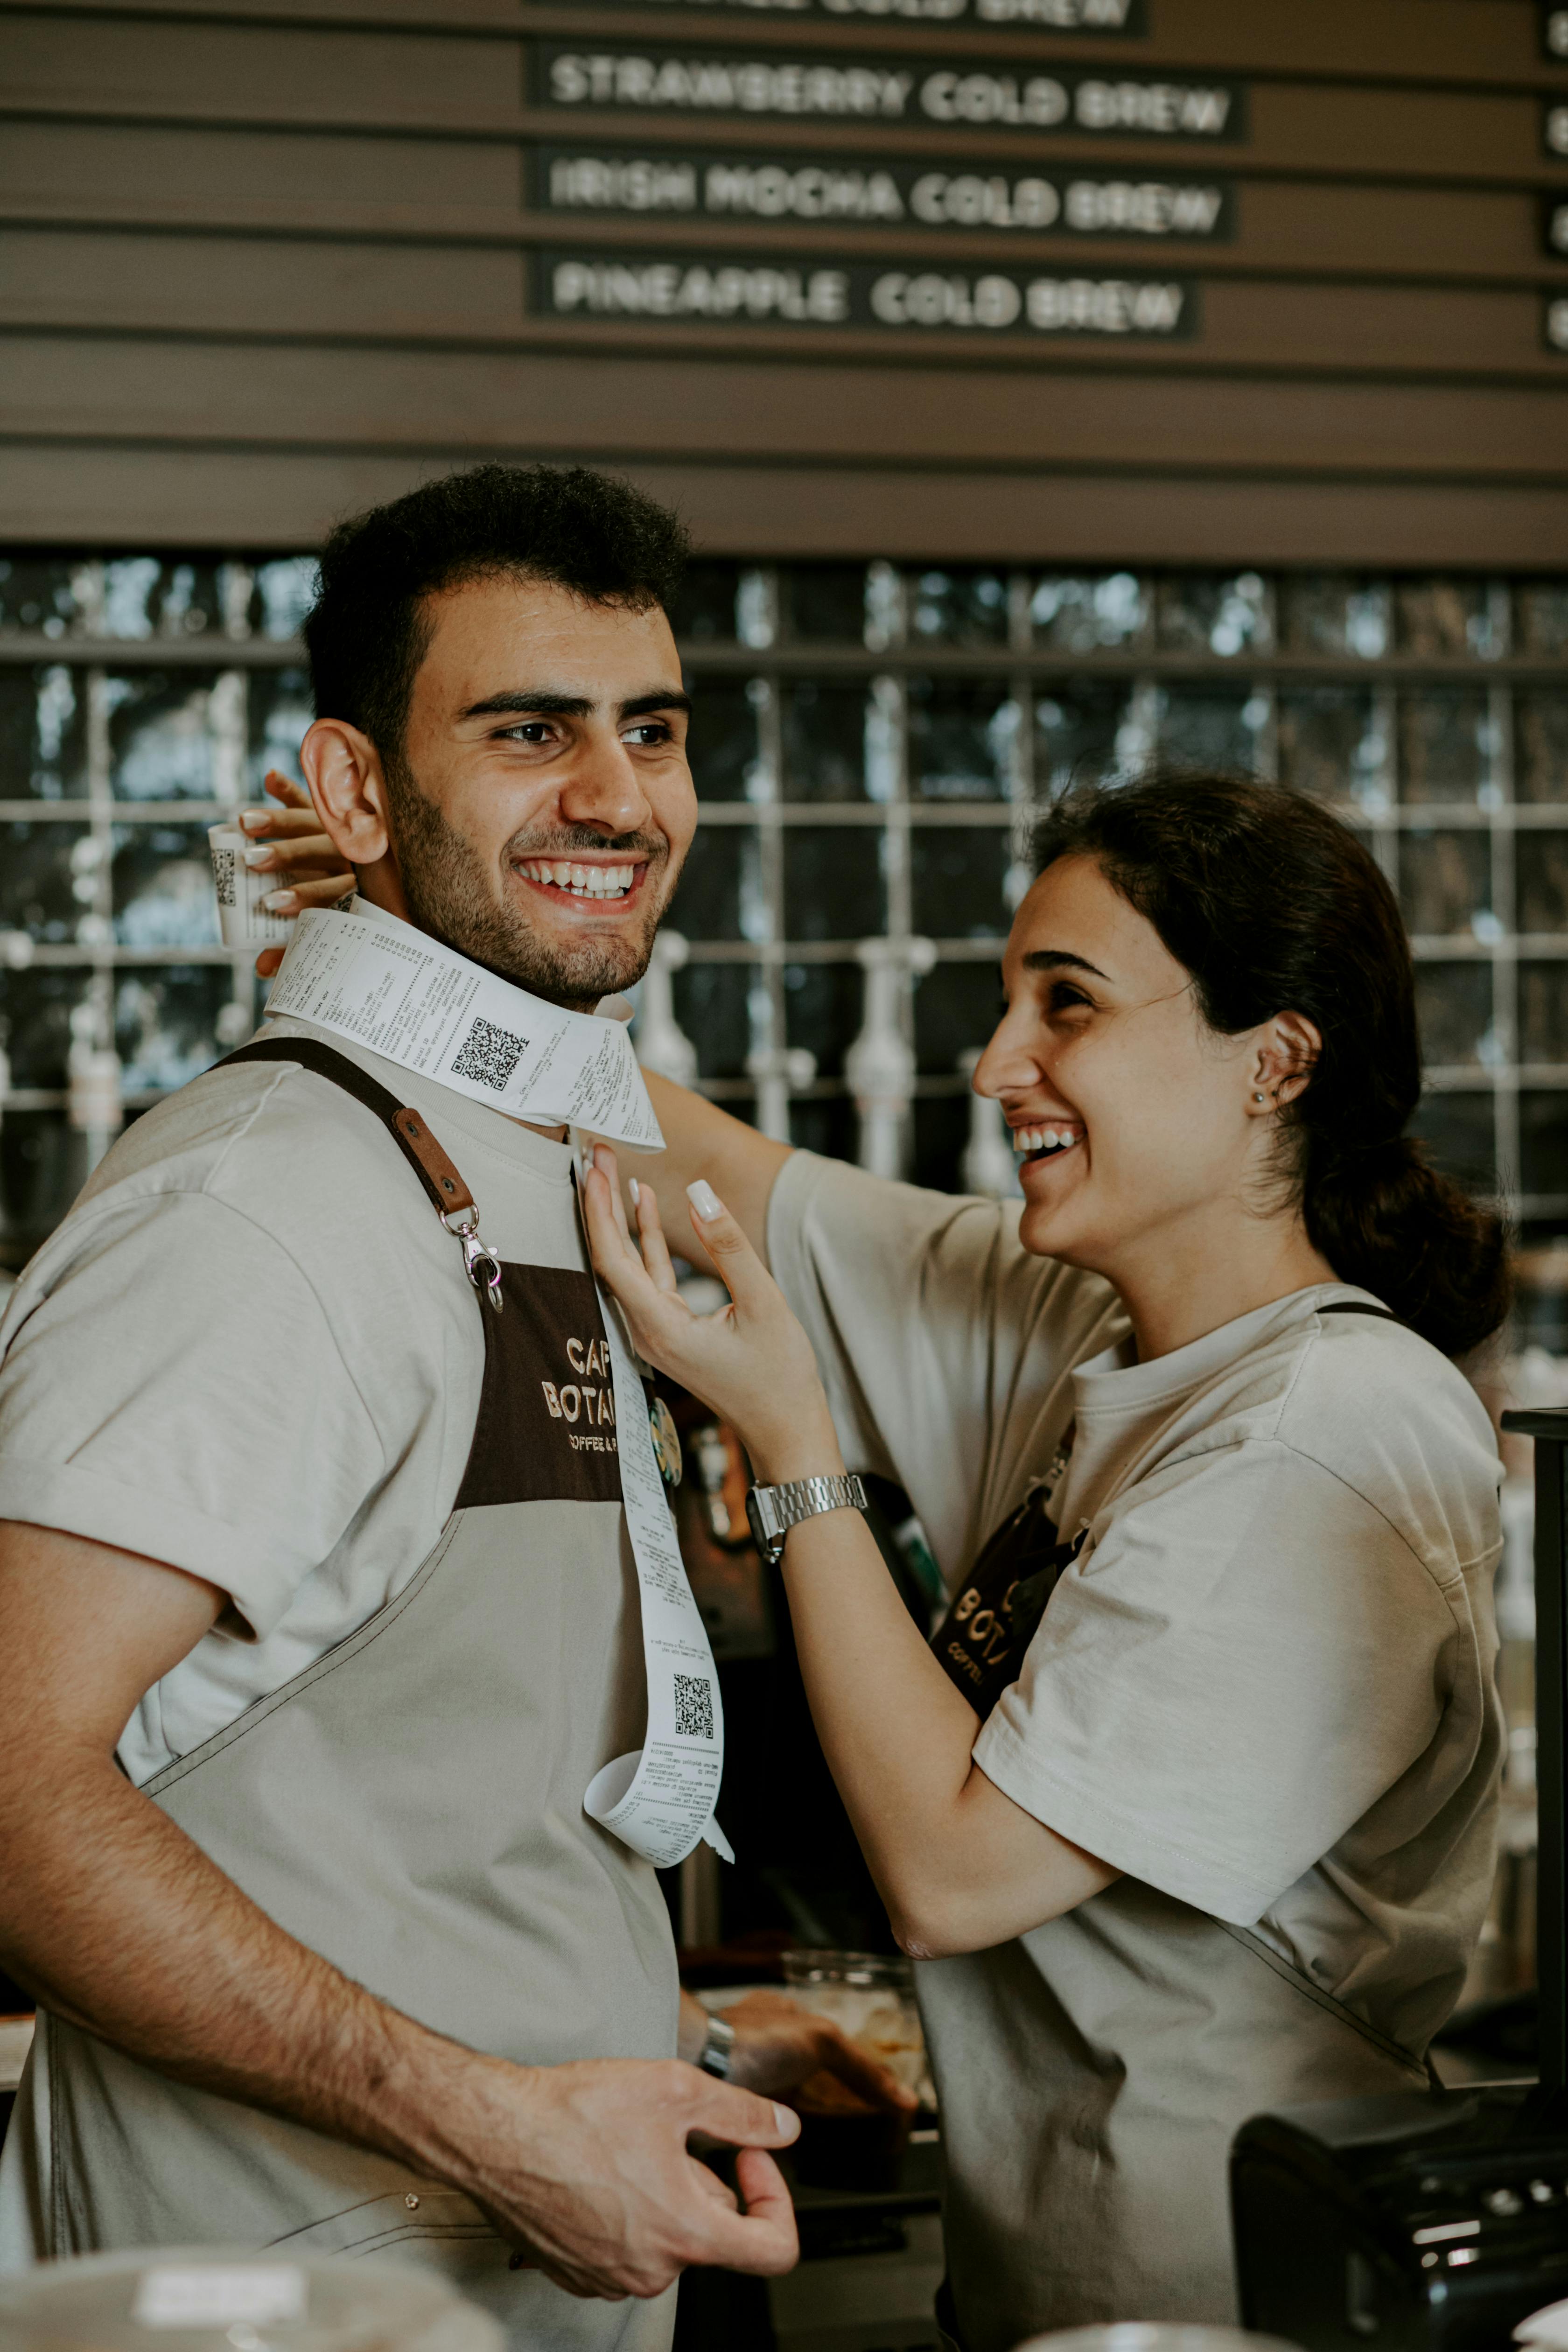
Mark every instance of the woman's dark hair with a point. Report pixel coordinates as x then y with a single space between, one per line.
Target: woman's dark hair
583 530
1274 906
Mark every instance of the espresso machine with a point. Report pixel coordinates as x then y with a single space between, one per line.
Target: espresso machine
1433 2220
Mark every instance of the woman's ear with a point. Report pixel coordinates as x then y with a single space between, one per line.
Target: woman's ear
1286 1048
343 768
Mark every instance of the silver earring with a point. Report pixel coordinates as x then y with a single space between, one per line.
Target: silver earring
1257 1098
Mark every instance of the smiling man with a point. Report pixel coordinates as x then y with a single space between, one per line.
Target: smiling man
327 1621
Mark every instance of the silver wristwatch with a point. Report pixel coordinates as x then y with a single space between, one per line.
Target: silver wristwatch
718 2044
773 1510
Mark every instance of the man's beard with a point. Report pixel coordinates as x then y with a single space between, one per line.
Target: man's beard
451 895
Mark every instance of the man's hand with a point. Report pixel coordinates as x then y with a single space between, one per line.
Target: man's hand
779 2045
125 1928
588 2170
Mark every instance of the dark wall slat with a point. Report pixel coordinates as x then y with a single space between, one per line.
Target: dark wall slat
162 499
914 416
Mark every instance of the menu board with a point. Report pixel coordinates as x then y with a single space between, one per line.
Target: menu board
876 192
972 94
725 288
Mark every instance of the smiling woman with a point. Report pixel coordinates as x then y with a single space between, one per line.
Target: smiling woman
1187 1810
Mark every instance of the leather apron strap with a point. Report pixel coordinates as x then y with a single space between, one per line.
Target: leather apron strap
410 1131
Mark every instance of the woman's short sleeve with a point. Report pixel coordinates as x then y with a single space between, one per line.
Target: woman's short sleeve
946 1348
1207 1704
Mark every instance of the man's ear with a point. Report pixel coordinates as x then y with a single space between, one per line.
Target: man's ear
343 768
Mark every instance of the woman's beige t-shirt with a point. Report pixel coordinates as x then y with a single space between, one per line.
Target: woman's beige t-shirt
1264 1691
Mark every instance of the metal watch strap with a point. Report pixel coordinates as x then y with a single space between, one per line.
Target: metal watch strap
718 2044
773 1510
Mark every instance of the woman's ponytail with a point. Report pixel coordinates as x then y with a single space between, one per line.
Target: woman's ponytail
1273 907
1387 1221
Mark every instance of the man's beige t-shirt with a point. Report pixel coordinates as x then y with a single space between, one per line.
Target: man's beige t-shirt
1263 1690
248 1352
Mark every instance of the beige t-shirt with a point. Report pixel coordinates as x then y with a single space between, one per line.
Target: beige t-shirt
244 1353
1263 1690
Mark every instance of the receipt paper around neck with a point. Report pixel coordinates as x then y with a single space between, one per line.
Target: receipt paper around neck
400 994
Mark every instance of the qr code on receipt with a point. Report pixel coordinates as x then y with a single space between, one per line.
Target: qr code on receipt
224 867
693 1707
490 1055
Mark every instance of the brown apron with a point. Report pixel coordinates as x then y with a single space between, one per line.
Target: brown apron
411 1808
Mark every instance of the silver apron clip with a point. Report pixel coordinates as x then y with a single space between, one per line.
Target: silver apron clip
480 1264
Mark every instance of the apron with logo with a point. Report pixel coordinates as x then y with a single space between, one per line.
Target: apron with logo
1093 2072
411 1808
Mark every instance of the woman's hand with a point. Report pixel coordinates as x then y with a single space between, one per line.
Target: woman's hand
751 1362
309 867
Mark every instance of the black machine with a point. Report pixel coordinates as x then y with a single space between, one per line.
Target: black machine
1433 2221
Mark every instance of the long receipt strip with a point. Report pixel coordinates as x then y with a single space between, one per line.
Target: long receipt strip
400 993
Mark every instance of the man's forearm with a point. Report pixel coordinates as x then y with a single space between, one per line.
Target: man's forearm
118 1923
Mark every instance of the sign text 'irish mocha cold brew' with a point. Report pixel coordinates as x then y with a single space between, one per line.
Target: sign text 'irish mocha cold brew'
876 192
965 94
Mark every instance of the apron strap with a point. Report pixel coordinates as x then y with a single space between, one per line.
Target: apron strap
413 1137
449 1193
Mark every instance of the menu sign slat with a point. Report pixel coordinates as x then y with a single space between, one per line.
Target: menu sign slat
872 192
972 95
704 290
1099 17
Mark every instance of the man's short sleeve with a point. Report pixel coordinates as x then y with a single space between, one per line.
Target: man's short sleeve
1206 1705
168 1375
947 1350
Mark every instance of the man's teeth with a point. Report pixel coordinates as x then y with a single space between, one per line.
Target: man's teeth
581 881
1046 1139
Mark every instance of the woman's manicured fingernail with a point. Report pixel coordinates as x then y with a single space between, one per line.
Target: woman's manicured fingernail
259 857
282 902
783 2116
254 819
705 1200
635 1188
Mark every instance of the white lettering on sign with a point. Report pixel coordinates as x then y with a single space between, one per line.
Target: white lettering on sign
810 192
959 196
668 290
1109 306
888 90
1167 108
933 300
1062 15
736 86
860 294
628 185
964 200
1038 101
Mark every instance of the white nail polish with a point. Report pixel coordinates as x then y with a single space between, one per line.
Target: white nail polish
635 1188
258 856
705 1200
279 902
783 2116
